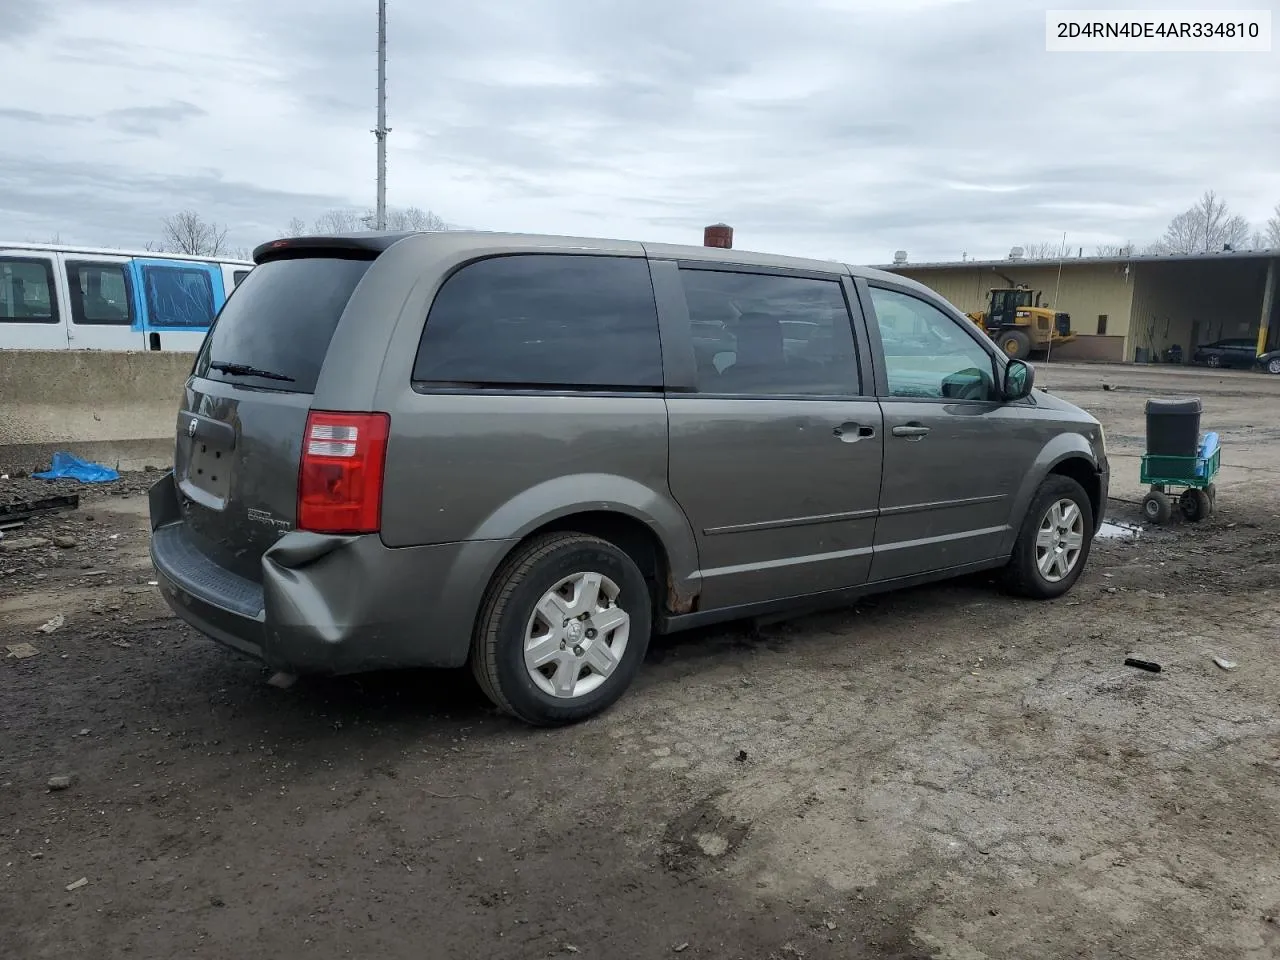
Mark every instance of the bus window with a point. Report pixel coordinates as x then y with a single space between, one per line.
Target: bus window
178 296
100 293
26 291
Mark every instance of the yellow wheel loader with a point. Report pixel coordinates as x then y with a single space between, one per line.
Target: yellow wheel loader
1019 325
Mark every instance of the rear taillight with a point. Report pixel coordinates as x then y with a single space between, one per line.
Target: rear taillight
340 478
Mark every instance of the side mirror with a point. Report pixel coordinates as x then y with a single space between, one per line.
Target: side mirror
1019 378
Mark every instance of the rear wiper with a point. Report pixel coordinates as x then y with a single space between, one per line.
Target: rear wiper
244 370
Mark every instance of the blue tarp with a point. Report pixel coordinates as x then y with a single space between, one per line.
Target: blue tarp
67 466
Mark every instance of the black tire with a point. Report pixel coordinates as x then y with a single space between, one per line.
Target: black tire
1273 365
1015 344
497 646
1213 360
1157 507
1195 505
1022 575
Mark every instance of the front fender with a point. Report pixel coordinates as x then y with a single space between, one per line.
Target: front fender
1064 446
564 496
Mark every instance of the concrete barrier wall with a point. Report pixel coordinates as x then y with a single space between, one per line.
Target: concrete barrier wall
111 407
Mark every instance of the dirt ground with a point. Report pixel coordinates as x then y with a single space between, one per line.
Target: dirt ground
941 773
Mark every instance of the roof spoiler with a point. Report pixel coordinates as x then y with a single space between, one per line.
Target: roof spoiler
348 246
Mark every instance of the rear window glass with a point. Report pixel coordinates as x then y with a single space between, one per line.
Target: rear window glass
26 292
544 320
280 322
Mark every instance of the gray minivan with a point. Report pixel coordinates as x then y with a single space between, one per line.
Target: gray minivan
531 453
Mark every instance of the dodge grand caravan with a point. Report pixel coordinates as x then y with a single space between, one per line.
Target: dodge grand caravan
528 454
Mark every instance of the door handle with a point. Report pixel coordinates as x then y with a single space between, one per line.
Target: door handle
911 431
853 432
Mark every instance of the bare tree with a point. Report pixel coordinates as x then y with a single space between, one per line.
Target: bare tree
354 220
415 218
297 227
1271 235
1042 250
341 220
188 232
1115 249
1206 227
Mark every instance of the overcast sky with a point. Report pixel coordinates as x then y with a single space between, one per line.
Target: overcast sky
841 129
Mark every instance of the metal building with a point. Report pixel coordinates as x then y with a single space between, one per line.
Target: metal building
1130 308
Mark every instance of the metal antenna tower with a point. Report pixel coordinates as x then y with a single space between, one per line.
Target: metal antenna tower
381 131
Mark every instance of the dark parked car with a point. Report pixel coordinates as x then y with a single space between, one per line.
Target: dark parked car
1240 353
528 454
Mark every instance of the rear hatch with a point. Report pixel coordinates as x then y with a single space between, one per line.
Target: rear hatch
241 425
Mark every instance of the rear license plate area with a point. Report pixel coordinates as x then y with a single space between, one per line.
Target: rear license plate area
209 469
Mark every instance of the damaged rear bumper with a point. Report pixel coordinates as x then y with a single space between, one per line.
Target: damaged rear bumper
327 604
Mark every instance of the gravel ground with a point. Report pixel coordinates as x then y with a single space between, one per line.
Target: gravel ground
940 773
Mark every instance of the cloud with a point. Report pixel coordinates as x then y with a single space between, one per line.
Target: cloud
841 129
35 116
153 121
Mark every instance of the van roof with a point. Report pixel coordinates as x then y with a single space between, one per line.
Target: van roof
371 243
111 251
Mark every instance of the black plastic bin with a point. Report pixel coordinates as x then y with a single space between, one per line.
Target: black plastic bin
1173 427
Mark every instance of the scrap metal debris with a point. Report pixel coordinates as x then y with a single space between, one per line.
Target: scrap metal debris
1119 530
1142 664
52 625
26 509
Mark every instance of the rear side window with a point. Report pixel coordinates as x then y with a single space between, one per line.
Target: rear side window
26 291
101 294
764 335
238 276
280 322
544 320
178 296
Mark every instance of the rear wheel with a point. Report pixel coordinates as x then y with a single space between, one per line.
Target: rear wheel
1273 365
1195 505
1157 507
1053 544
563 629
1015 344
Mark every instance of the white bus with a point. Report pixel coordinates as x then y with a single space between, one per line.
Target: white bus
55 297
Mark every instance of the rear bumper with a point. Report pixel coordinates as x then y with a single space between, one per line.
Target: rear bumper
327 604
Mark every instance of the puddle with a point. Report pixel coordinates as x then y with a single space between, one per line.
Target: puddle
1114 530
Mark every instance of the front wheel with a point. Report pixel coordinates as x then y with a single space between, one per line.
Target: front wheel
1053 544
1157 507
1213 360
563 629
1015 344
1273 365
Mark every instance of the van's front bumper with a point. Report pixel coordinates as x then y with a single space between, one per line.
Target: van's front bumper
1104 492
327 604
